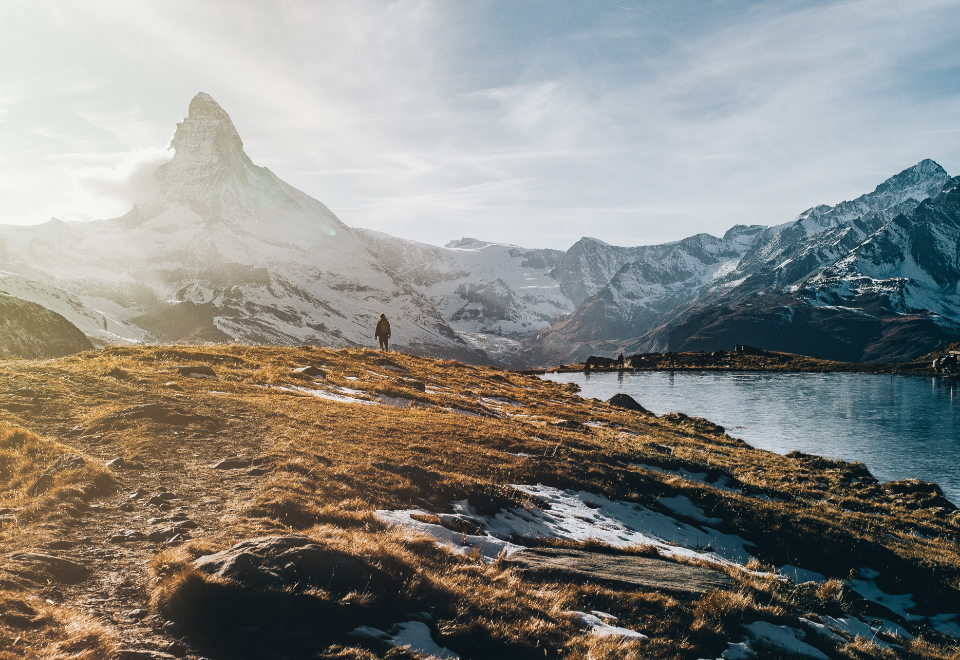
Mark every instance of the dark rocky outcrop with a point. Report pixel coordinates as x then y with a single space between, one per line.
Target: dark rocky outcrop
279 562
627 402
29 330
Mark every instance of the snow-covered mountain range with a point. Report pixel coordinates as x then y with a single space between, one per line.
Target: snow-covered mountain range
226 251
841 282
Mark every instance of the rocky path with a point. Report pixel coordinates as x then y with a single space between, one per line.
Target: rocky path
179 484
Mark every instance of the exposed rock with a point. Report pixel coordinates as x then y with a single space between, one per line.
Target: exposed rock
233 463
278 562
45 480
127 535
54 568
168 534
627 402
313 372
121 463
198 371
631 570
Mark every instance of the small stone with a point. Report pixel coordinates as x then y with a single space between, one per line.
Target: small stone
167 496
256 472
127 535
137 495
137 614
116 463
156 500
126 506
173 386
167 535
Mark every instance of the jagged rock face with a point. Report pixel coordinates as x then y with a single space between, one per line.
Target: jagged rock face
28 330
841 281
255 259
589 265
789 253
658 279
894 295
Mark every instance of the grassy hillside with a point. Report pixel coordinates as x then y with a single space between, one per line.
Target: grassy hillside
221 445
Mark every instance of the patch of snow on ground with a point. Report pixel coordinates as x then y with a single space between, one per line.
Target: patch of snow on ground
856 628
682 506
327 394
800 575
487 546
947 624
399 401
866 587
411 634
738 651
582 516
783 638
598 626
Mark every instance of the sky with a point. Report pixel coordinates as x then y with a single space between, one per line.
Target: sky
533 122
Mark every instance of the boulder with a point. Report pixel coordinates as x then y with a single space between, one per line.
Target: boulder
627 402
279 562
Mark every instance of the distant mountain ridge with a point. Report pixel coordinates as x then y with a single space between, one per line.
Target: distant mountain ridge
226 251
803 287
31 331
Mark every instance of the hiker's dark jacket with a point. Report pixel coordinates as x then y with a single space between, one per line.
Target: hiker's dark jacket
383 328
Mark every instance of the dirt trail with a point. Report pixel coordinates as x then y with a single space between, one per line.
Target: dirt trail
177 463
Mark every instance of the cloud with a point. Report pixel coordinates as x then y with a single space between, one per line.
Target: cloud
124 178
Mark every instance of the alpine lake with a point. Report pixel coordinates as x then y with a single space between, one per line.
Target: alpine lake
900 427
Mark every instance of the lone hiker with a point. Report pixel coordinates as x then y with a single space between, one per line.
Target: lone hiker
620 361
383 332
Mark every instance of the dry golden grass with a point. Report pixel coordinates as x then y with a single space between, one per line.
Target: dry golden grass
328 466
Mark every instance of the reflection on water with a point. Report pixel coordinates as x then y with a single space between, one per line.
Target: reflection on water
899 426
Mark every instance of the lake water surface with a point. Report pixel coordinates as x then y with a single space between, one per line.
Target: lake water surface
900 427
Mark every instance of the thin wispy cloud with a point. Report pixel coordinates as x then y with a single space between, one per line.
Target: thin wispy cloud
525 121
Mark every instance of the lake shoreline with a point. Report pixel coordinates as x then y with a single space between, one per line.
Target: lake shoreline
755 360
